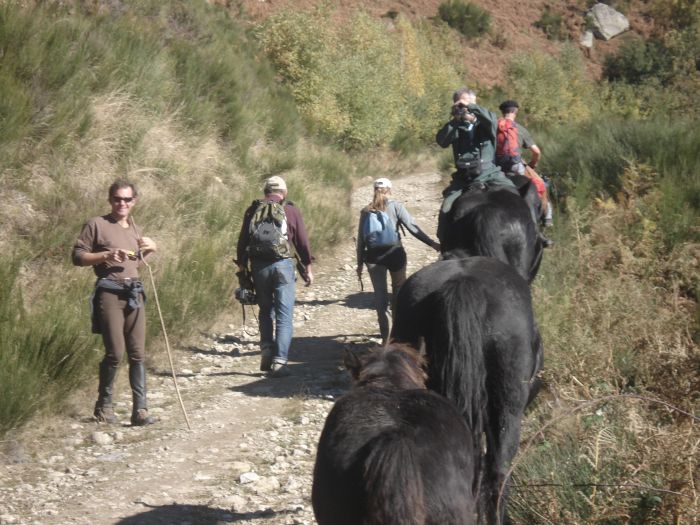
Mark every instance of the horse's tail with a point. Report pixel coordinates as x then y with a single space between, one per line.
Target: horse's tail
394 482
457 352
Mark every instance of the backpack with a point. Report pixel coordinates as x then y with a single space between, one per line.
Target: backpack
378 230
507 146
268 232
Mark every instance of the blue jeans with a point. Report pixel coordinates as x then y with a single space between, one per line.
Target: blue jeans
275 289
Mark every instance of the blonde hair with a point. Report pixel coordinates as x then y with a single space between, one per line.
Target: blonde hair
381 197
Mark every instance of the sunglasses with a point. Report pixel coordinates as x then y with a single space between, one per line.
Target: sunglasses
125 199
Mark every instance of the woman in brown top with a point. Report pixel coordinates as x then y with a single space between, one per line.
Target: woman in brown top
114 247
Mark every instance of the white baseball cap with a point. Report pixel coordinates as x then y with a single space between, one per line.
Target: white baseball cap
382 183
275 183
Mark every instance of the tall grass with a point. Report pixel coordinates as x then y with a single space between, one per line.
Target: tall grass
173 96
591 159
616 303
45 349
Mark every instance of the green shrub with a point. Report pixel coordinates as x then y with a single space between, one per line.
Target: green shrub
595 156
551 89
636 61
358 83
467 18
552 24
45 350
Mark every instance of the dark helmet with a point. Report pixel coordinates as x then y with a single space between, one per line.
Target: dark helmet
508 105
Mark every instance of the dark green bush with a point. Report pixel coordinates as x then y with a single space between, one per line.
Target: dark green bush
469 19
637 61
552 24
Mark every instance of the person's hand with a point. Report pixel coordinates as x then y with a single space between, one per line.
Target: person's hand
117 256
146 245
309 277
358 270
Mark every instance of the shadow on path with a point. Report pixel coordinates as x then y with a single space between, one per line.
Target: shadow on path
199 514
317 368
358 300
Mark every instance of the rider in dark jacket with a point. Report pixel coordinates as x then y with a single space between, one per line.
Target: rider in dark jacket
472 134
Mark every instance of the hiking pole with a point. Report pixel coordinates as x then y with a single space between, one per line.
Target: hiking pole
162 325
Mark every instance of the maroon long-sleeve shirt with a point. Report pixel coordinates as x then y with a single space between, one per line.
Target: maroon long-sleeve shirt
296 231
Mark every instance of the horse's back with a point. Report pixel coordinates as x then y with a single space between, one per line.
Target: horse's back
495 223
495 280
399 457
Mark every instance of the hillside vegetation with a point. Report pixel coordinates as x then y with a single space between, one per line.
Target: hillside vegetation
197 109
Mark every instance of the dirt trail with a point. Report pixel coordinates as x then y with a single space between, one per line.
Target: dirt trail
249 456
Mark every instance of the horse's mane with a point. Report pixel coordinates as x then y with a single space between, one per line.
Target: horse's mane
396 366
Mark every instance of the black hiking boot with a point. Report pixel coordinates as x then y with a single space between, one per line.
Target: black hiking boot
104 411
137 379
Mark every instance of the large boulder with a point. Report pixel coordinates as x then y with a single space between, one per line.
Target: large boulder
606 22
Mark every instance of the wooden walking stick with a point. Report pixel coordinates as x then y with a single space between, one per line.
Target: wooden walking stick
162 325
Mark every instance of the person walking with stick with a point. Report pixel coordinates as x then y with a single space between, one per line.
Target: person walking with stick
115 249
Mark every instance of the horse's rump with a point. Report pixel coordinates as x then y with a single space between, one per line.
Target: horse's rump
497 223
482 348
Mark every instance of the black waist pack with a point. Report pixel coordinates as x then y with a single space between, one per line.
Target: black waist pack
470 167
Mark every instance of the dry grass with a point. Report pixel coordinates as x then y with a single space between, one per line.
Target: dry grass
621 351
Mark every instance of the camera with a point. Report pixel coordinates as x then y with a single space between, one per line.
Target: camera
460 111
245 296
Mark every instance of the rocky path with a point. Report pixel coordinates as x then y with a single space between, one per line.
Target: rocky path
249 456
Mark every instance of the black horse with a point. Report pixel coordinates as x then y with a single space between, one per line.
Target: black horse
474 317
495 223
392 452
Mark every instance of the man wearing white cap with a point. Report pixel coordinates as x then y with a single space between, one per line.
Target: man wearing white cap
272 236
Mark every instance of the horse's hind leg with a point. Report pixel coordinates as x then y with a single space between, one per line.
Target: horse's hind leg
538 356
501 449
508 388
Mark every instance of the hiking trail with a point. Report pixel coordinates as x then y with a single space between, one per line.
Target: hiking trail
250 454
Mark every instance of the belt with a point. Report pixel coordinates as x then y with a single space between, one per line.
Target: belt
122 280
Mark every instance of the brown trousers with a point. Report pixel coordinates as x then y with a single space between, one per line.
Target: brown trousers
122 330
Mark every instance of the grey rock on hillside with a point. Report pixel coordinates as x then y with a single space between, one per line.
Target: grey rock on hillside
607 22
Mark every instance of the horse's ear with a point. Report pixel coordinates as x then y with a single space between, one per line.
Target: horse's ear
352 363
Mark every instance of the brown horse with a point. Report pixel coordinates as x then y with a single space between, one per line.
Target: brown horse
392 452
